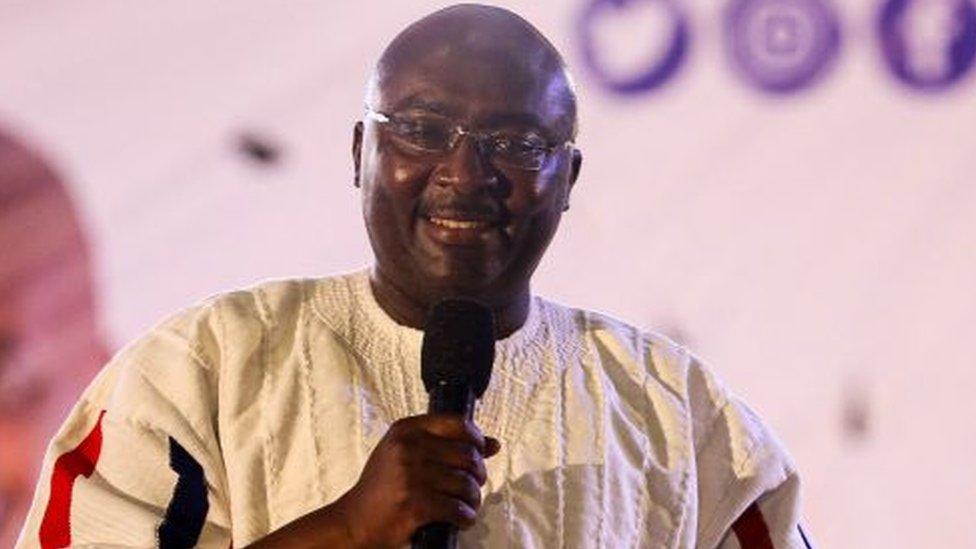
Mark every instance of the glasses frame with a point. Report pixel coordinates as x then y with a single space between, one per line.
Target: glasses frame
458 131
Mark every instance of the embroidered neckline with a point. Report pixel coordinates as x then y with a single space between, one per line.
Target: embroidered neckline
389 355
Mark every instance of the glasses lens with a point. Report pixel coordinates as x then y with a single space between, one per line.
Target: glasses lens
424 133
521 151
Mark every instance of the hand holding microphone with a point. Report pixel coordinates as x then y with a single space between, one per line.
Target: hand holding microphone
456 360
423 480
426 469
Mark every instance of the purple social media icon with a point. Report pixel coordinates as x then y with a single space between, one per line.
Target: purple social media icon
928 44
648 78
781 46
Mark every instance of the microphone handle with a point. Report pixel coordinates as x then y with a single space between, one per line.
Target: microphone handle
455 399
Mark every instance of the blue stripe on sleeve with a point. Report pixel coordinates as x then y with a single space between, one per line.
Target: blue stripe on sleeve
187 510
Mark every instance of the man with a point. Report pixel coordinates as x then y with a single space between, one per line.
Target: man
49 342
292 414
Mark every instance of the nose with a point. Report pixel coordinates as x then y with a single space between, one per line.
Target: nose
466 169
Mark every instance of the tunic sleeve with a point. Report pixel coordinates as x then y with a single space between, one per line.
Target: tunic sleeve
748 487
771 521
137 463
749 491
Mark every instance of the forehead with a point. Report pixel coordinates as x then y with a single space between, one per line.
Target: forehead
482 86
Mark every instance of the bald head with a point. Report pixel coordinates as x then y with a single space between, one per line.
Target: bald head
472 46
466 162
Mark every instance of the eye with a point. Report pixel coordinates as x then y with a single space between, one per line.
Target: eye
425 133
519 149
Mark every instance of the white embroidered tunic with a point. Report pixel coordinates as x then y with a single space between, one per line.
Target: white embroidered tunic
242 414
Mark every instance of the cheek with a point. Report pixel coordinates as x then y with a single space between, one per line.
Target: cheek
406 177
392 189
537 194
390 182
536 204
392 170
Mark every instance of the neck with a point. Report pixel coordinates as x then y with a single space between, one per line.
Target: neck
509 314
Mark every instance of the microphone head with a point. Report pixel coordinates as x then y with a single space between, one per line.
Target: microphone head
458 346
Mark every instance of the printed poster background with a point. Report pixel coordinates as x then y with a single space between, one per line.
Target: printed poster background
783 185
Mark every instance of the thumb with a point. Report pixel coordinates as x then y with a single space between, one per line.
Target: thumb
492 446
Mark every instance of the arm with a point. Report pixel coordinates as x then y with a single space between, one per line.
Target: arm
137 462
325 527
109 480
748 487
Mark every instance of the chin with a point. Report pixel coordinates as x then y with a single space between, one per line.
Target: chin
461 280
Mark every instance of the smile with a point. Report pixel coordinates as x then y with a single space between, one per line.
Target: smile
457 230
459 223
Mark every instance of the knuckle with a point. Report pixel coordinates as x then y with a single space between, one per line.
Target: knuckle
474 432
410 423
398 453
472 456
416 511
401 497
465 516
445 425
474 494
398 428
473 463
473 429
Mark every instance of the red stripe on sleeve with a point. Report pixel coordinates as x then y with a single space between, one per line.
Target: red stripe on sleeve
751 529
56 527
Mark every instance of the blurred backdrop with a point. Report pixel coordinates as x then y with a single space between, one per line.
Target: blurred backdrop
785 186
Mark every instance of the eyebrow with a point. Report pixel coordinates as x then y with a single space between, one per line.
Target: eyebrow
513 118
419 102
528 119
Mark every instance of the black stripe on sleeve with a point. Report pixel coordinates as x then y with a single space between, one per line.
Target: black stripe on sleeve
187 510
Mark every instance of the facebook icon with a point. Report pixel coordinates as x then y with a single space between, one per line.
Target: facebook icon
928 45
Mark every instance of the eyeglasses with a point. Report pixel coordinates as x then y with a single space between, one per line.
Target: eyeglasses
428 133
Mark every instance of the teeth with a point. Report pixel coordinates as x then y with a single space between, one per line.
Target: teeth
456 224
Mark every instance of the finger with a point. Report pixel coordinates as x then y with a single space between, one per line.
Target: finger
448 453
441 508
492 446
454 483
454 427
448 426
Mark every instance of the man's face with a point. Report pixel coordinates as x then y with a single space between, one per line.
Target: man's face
462 222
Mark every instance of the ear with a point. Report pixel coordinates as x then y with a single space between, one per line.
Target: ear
577 164
357 152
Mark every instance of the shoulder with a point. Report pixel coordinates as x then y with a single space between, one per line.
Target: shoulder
661 364
196 335
645 354
175 367
736 456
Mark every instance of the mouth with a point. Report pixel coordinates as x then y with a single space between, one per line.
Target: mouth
459 224
466 229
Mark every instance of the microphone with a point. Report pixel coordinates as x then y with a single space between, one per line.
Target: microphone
455 364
